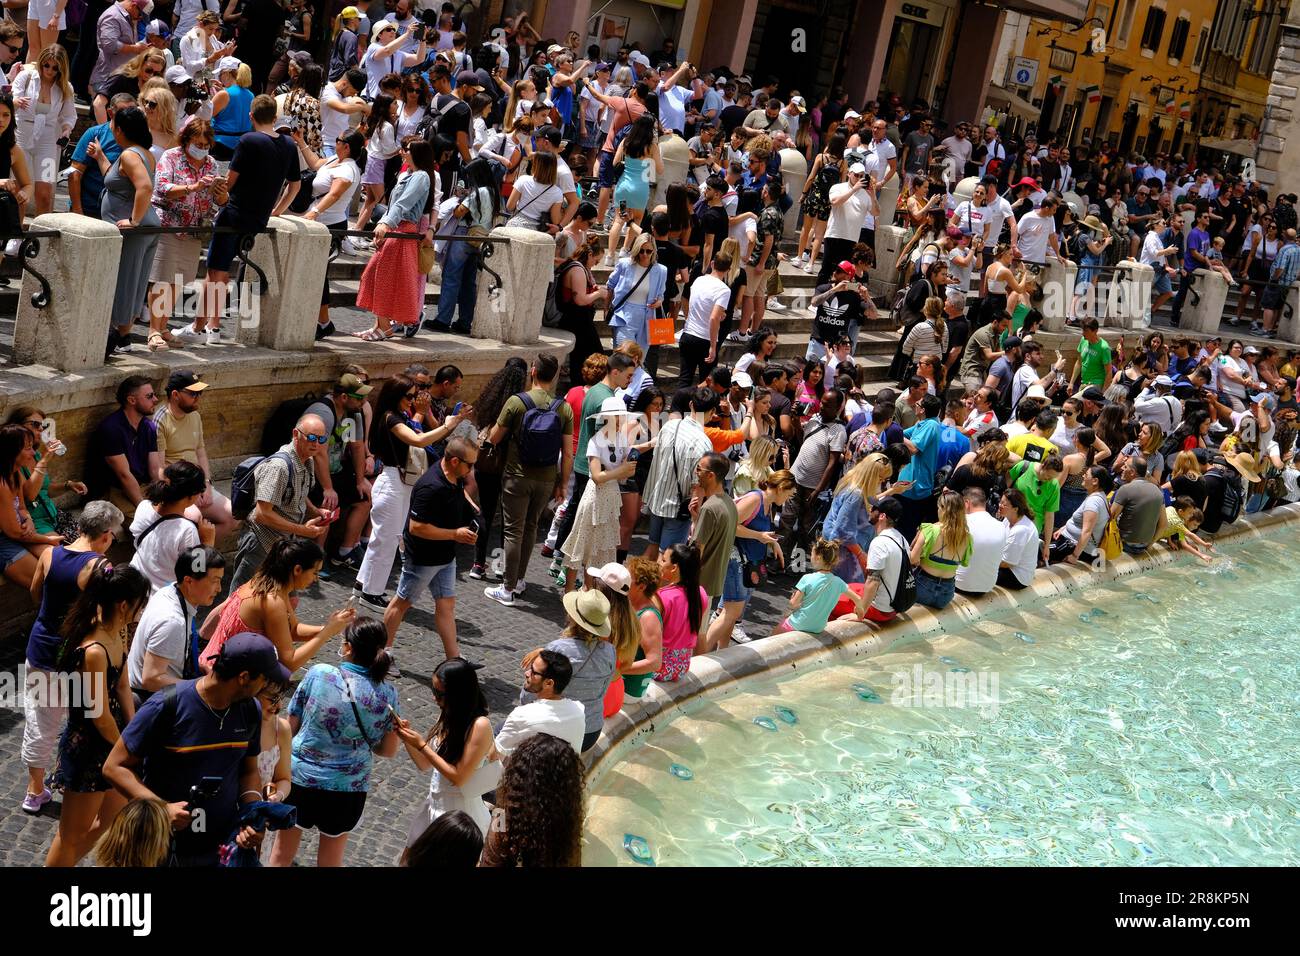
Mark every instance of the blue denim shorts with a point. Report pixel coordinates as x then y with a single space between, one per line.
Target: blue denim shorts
440 579
606 178
1161 283
11 551
934 592
733 589
666 532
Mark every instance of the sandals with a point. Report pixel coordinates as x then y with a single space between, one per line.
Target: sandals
374 335
157 343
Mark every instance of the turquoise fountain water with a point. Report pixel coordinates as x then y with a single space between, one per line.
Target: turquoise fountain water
1160 731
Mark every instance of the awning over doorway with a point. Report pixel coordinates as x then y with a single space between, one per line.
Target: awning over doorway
1072 10
1238 147
1001 98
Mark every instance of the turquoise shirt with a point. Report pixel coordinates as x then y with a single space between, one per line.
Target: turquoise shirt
821 591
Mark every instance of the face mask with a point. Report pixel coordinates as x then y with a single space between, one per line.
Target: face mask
197 154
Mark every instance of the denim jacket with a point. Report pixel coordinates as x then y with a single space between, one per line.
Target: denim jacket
634 316
407 201
849 520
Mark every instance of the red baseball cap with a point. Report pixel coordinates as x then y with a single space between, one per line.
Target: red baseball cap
847 266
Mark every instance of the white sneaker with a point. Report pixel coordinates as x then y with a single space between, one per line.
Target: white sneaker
776 305
189 334
500 595
804 256
735 337
738 635
212 337
357 247
12 247
519 587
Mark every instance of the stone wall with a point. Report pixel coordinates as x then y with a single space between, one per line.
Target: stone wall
1278 165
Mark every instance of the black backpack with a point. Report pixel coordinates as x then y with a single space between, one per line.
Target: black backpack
903 596
278 429
541 433
1233 498
243 486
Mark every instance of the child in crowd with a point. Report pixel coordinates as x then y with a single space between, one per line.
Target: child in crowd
1215 255
1183 518
816 594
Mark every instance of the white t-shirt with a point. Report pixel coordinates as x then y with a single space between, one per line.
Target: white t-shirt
1013 428
672 107
591 107
1025 376
1151 246
535 201
333 124
156 557
378 67
1032 233
407 122
988 542
563 718
878 157
970 219
383 142
995 213
610 453
740 231
887 558
706 292
1021 551
162 632
324 179
848 219
564 177
1063 437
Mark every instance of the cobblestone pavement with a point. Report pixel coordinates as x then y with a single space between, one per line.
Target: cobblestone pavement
489 633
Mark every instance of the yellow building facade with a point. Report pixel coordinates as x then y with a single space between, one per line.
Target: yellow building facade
1171 72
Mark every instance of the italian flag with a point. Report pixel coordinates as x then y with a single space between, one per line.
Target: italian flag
1185 110
1056 82
1094 93
1170 108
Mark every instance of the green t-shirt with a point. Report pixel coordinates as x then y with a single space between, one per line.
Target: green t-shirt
512 416
1044 497
1094 359
930 544
587 427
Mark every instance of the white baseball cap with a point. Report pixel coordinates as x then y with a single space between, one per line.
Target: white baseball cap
613 575
852 114
228 64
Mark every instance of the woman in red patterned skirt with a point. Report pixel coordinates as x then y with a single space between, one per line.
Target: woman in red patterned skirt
391 285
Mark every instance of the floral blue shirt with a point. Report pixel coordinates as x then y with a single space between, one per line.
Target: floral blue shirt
330 751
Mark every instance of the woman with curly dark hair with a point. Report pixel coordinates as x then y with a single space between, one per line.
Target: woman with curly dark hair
539 819
510 380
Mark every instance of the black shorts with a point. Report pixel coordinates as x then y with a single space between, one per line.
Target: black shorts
332 812
1273 296
345 486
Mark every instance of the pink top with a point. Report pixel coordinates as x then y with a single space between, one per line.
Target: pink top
677 618
230 623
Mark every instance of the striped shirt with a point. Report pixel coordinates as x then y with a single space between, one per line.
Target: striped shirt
681 445
922 340
1287 264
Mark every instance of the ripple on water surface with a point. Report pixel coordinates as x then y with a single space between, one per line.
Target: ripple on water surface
1158 733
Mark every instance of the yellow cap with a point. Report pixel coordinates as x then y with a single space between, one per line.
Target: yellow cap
349 13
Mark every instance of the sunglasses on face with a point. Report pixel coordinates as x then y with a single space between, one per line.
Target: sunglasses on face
149 104
315 439
15 50
410 396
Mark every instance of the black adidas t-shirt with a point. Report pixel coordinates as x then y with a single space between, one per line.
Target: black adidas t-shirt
835 314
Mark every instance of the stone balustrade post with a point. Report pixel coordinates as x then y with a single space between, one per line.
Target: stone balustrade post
294 254
889 243
1058 280
1288 322
70 332
526 263
1203 308
794 173
1128 295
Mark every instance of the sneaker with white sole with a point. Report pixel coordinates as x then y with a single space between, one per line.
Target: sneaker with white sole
189 333
519 587
735 337
212 337
500 595
738 635
804 256
32 802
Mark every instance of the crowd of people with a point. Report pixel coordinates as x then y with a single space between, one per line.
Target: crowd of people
988 460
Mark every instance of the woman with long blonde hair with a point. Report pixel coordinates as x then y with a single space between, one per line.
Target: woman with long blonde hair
45 111
140 835
938 549
624 629
848 523
130 77
159 107
756 466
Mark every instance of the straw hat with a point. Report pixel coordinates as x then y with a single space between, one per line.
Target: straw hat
590 609
1245 464
612 407
1095 224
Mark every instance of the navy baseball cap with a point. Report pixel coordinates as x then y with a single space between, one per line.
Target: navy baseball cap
891 508
254 653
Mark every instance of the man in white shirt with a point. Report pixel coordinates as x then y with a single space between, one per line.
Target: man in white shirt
1036 233
983 415
547 675
881 154
988 544
673 98
995 211
165 648
993 149
339 104
1157 405
885 557
709 298
853 209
